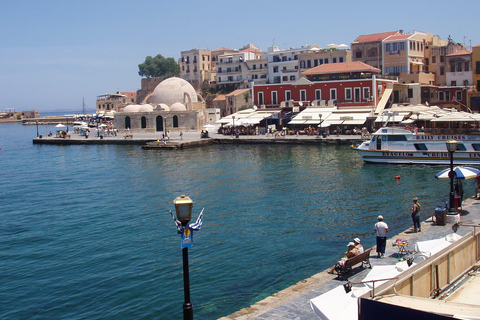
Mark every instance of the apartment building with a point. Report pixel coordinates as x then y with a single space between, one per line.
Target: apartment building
283 64
115 101
474 97
196 67
368 48
314 58
232 68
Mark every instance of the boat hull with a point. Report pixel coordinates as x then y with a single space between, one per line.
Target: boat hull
418 157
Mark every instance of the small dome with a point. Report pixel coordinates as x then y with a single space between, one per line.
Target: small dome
177 106
131 108
173 90
145 108
163 106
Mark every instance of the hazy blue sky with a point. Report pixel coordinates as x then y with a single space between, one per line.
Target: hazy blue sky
55 53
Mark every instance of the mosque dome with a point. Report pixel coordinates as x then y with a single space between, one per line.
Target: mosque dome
177 106
145 108
173 90
131 108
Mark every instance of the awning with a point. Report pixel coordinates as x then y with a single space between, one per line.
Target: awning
351 118
383 101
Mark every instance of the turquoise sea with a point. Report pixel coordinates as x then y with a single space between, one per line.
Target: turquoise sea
86 232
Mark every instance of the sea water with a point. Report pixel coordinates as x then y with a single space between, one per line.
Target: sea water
86 232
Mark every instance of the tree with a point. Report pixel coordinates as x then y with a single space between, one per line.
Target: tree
158 67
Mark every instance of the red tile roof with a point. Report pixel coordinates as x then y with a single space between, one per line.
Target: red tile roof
460 53
356 66
220 97
374 37
398 37
237 92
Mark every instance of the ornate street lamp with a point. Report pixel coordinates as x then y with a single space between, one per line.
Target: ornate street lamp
451 147
183 208
233 125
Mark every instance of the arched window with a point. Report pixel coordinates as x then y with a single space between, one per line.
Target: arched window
175 121
144 122
128 123
159 123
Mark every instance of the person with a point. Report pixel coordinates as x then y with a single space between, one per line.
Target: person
381 229
416 215
351 252
459 191
477 186
181 135
358 245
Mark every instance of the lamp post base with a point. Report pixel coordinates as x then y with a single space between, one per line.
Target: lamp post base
453 218
187 311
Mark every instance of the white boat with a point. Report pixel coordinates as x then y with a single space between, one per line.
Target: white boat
402 146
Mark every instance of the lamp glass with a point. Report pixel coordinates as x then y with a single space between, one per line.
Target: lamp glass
183 208
452 145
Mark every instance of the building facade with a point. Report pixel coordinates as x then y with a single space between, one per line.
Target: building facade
283 64
115 101
368 48
196 66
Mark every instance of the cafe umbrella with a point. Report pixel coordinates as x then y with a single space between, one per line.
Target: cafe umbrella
460 173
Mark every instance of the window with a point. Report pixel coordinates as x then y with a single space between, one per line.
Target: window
276 79
292 78
447 96
476 146
315 62
334 60
309 63
175 121
260 98
302 64
442 71
275 69
285 78
144 122
358 54
288 95
366 93
410 93
321 62
459 67
326 61
453 83
341 59
442 59
318 94
401 46
467 66
388 47
348 93
128 123
274 97
395 46
458 95
434 59
333 94
461 147
303 95
441 96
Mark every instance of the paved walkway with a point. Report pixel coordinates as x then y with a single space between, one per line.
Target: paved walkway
294 302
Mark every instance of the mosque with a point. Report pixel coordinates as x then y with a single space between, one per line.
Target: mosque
172 106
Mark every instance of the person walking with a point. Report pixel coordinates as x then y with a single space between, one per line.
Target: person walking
416 215
381 229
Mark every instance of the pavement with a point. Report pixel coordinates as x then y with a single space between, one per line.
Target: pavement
294 302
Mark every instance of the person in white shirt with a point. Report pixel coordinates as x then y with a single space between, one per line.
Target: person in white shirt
381 229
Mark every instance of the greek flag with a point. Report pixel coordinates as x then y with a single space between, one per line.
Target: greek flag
194 226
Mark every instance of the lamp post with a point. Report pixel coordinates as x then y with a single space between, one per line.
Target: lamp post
451 147
36 122
233 125
183 208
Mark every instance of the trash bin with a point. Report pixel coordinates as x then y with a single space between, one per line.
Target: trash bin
440 216
324 134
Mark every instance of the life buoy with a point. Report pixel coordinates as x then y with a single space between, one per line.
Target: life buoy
397 177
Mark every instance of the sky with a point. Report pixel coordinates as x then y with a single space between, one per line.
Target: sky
56 54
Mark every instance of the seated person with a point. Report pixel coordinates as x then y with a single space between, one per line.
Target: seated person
352 252
359 247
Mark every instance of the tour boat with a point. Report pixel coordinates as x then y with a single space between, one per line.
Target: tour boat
402 146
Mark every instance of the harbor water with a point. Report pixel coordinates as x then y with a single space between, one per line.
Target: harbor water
86 231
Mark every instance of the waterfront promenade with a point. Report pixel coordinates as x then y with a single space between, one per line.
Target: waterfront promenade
193 139
294 302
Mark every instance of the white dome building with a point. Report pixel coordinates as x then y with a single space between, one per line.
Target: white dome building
176 109
173 90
